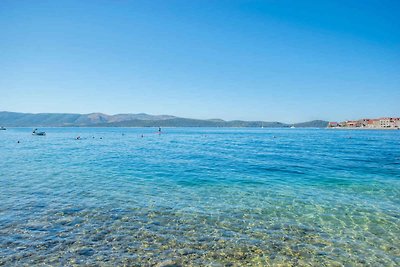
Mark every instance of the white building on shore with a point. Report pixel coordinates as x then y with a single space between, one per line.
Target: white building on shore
381 123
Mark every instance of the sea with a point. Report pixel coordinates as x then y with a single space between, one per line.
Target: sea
199 197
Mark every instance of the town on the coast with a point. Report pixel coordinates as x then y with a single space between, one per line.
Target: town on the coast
380 123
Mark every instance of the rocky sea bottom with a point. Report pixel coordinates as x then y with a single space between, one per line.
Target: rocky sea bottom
200 197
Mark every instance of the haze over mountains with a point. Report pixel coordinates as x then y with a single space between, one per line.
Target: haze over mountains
16 119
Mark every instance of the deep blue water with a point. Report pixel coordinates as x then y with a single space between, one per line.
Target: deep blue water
199 196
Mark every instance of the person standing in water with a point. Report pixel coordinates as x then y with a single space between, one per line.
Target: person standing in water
159 130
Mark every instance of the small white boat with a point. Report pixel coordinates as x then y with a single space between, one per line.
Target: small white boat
2 128
35 132
292 127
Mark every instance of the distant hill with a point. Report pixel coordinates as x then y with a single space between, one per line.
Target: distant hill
314 124
15 119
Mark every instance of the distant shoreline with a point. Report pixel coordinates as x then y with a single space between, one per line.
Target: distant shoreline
10 119
361 128
213 127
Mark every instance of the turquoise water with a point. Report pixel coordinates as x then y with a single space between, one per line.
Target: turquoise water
218 197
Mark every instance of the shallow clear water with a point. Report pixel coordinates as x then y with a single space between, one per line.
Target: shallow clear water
200 197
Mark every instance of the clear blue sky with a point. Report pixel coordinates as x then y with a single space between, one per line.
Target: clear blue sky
267 60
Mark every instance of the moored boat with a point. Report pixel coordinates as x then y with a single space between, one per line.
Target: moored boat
35 132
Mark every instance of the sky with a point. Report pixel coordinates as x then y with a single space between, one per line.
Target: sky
283 60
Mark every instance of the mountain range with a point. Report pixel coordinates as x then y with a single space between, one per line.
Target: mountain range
16 119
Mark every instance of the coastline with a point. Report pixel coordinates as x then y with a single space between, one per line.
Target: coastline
360 128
